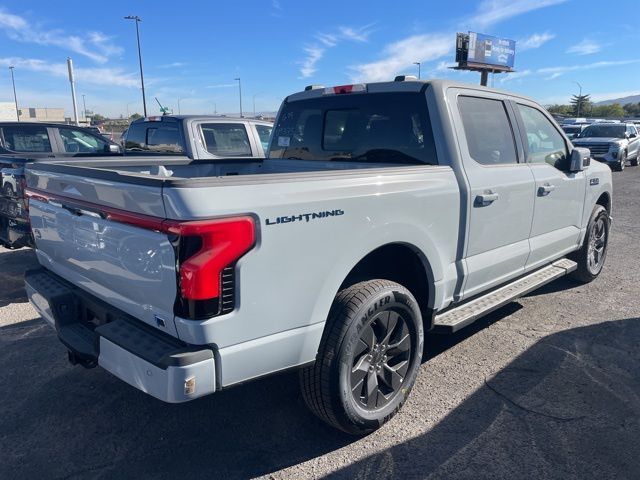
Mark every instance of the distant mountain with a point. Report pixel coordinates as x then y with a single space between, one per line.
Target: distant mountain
621 101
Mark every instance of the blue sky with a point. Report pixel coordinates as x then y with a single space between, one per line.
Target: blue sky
193 50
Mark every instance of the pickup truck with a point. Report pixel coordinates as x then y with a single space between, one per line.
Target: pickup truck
198 136
383 210
22 142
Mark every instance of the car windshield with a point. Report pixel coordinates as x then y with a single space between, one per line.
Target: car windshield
616 131
371 128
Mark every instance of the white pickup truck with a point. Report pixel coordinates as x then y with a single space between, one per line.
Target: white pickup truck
383 210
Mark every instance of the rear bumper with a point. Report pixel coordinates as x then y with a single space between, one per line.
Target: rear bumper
96 333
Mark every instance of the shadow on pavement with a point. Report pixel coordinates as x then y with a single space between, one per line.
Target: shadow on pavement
13 264
569 407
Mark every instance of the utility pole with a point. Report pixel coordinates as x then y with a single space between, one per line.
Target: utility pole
138 20
84 109
73 90
240 94
15 98
579 98
418 64
254 105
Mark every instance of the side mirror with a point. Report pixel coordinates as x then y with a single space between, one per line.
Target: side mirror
632 135
580 159
114 149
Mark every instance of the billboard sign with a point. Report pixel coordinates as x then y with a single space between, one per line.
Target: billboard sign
490 51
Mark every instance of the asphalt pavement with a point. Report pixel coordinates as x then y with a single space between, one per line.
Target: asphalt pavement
546 387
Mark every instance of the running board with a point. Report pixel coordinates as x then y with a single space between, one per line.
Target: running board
459 317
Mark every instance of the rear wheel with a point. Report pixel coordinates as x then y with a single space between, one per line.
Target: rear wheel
634 162
368 359
592 254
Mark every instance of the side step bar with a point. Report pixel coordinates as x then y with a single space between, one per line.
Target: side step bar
454 319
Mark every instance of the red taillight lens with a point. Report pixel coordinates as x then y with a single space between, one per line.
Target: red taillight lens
222 243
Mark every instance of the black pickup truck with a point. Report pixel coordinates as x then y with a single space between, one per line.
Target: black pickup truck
24 142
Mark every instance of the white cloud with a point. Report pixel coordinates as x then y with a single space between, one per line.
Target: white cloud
585 47
534 41
94 45
555 72
493 11
173 65
96 76
308 65
401 54
509 77
315 51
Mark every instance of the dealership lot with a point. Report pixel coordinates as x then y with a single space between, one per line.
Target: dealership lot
547 387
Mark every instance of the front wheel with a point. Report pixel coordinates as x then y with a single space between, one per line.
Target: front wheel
634 162
368 359
592 254
622 162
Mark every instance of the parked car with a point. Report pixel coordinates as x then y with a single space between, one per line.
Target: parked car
22 142
198 136
382 211
612 143
573 130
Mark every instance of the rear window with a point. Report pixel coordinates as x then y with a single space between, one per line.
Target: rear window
158 137
226 139
371 128
28 138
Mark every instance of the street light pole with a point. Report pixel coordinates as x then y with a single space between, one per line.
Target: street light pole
254 105
84 109
579 98
418 64
138 20
179 105
240 94
15 98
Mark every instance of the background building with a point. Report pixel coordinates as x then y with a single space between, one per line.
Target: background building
31 114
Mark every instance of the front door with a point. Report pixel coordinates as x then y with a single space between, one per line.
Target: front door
500 185
559 194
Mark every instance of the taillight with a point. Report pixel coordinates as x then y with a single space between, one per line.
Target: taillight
221 243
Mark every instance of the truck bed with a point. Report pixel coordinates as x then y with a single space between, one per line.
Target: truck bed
183 172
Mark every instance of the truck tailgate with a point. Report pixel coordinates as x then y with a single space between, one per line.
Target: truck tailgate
129 267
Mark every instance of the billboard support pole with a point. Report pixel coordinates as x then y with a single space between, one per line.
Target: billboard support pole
484 77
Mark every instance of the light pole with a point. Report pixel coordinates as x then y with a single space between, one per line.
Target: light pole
84 109
579 98
215 108
15 98
181 98
254 105
240 94
138 20
418 64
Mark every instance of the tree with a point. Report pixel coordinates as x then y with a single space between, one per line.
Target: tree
580 104
560 109
609 111
135 116
97 118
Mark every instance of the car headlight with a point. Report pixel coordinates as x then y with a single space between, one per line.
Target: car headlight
614 148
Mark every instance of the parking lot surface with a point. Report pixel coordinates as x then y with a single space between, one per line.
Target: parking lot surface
547 387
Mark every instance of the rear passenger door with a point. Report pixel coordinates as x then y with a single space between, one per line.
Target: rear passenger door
500 184
559 194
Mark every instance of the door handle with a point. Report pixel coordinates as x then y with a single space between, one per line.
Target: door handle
545 190
485 199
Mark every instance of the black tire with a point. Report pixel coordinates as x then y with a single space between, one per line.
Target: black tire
621 163
587 270
359 312
634 162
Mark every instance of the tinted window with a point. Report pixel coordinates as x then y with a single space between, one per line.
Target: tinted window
136 136
264 132
374 128
164 137
77 141
487 130
544 142
226 139
28 138
616 131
